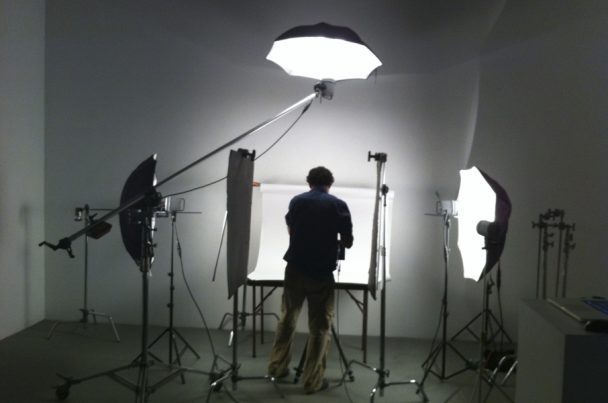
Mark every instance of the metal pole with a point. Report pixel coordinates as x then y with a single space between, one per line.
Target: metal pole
568 245
171 288
383 260
538 254
559 272
446 254
86 266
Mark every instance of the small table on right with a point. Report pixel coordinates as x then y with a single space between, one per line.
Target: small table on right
559 362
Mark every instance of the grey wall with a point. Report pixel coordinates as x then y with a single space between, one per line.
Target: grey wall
542 131
22 299
125 80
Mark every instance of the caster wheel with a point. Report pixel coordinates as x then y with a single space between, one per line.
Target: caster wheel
62 392
351 378
214 377
218 387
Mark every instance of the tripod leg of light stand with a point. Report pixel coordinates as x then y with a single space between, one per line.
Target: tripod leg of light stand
442 347
347 371
258 310
141 387
481 366
440 350
381 383
382 372
467 328
142 393
172 333
109 318
218 385
254 322
500 328
492 380
186 344
232 373
300 366
62 391
85 311
178 354
52 330
342 355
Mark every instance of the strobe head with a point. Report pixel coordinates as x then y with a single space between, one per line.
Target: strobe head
325 89
447 207
380 157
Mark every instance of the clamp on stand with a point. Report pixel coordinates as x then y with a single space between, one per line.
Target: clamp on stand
546 223
83 213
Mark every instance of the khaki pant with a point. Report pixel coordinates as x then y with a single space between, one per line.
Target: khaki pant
320 296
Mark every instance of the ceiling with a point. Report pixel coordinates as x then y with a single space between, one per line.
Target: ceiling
409 36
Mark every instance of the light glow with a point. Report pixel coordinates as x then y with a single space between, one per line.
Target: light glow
476 202
323 58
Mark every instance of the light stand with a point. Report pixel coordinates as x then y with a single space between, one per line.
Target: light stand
240 175
491 325
84 213
441 348
232 373
170 331
484 211
382 371
483 376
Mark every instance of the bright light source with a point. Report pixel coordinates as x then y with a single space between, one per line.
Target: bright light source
476 202
323 52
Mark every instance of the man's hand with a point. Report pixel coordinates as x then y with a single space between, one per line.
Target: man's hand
346 240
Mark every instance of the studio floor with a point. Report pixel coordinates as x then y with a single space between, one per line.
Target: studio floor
29 363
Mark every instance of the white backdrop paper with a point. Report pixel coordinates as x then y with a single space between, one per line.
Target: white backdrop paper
274 238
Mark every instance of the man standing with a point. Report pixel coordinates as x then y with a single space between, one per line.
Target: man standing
314 221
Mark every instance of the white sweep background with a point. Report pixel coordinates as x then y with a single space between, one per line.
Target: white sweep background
274 239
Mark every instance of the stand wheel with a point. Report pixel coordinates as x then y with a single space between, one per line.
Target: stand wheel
351 377
62 392
214 377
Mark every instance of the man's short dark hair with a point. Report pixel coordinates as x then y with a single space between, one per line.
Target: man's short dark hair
320 176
